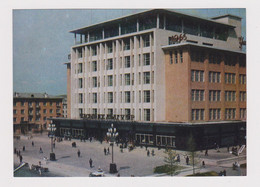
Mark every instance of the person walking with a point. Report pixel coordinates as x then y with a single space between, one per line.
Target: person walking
32 143
105 151
40 151
148 153
21 159
187 160
206 152
108 150
90 162
78 153
203 164
23 148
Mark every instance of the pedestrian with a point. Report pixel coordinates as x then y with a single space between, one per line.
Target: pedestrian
78 153
203 164
224 172
108 150
148 153
40 163
152 152
228 148
187 160
40 151
90 139
54 145
118 175
206 152
23 148
19 153
21 159
178 158
90 162
105 151
32 143
14 150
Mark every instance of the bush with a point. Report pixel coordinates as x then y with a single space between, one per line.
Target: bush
210 173
166 169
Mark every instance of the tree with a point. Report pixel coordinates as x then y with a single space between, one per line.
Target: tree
170 160
191 147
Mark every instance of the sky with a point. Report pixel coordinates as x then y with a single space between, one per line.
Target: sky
41 42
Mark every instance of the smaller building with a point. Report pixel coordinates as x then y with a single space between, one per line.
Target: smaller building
31 111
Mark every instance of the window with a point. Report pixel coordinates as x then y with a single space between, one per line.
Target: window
80 53
57 111
44 103
230 95
146 59
110 80
214 95
242 79
50 103
22 111
171 58
44 111
242 96
127 62
94 66
214 77
127 79
110 97
127 113
110 111
38 118
230 78
197 114
214 114
127 97
80 68
146 40
147 114
94 81
242 113
146 96
94 111
14 119
80 83
22 118
197 56
197 95
80 98
214 58
22 103
181 57
127 44
197 76
109 48
94 97
94 50
176 57
51 111
146 77
57 103
14 103
140 96
15 112
110 64
230 113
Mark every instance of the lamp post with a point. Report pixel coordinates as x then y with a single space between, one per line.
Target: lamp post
112 134
52 130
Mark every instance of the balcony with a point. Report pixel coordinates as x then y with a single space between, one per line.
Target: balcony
30 106
38 106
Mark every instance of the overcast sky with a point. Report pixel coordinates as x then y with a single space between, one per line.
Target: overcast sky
41 42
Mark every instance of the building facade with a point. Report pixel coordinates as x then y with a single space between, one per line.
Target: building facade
159 66
31 111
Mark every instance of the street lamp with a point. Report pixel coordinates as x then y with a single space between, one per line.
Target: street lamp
112 134
52 130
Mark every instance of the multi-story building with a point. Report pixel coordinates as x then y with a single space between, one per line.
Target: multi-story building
159 66
31 111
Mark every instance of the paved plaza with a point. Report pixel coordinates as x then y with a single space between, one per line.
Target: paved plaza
135 162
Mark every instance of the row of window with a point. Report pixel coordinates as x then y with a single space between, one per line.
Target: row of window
215 95
126 97
30 119
128 62
215 58
124 45
124 79
215 113
177 57
37 104
214 77
144 114
30 112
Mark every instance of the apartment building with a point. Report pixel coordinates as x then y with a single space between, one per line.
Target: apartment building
31 111
158 67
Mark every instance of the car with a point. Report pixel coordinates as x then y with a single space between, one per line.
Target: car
97 174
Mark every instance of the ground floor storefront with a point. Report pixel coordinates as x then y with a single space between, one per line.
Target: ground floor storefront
173 135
